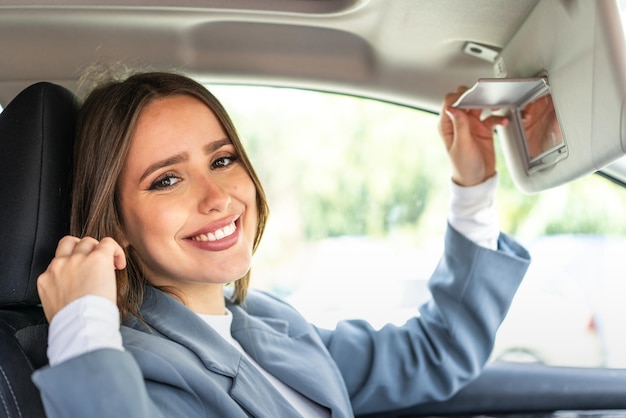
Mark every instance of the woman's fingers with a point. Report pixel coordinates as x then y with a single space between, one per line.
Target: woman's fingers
469 140
66 246
119 257
460 123
85 246
446 127
492 121
81 267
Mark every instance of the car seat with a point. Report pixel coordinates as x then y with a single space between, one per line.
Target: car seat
36 143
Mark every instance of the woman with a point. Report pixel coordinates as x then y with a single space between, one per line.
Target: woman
167 209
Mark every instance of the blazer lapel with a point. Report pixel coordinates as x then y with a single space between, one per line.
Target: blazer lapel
258 396
300 361
250 388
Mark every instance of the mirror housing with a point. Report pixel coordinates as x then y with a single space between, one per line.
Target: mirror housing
579 47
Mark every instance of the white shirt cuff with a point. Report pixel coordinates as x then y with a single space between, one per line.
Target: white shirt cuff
86 324
473 214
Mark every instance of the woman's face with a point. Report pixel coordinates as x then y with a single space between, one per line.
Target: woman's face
188 205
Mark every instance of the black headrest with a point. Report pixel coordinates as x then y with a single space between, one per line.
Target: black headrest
36 143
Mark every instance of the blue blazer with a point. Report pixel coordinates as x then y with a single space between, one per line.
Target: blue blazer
175 365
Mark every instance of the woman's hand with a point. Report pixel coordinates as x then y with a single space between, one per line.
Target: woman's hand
80 267
469 141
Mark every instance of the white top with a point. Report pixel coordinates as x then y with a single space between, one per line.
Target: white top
92 322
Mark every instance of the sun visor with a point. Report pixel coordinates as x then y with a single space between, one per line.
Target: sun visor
566 68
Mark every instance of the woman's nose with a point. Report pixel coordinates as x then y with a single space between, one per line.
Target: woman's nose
212 196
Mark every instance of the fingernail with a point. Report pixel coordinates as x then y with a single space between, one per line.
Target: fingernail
451 114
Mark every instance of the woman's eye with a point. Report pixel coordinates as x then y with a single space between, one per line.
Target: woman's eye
225 161
164 182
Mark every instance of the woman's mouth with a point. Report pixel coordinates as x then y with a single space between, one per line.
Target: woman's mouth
216 235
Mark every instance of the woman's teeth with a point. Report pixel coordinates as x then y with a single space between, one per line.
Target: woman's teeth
217 234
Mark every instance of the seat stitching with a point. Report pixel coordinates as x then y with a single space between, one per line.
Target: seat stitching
42 152
4 404
6 408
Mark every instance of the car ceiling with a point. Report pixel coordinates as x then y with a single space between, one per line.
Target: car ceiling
404 51
408 51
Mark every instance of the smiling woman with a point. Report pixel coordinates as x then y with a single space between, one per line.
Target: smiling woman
167 210
177 138
117 154
360 195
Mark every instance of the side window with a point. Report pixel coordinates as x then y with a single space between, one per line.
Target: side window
358 192
569 310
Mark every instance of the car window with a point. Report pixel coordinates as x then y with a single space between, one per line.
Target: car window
358 192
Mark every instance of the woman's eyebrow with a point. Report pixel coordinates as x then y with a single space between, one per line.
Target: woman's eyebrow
215 145
179 158
175 159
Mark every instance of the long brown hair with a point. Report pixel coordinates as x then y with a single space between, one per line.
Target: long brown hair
106 124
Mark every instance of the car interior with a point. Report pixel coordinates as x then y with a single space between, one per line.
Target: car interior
37 141
513 54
